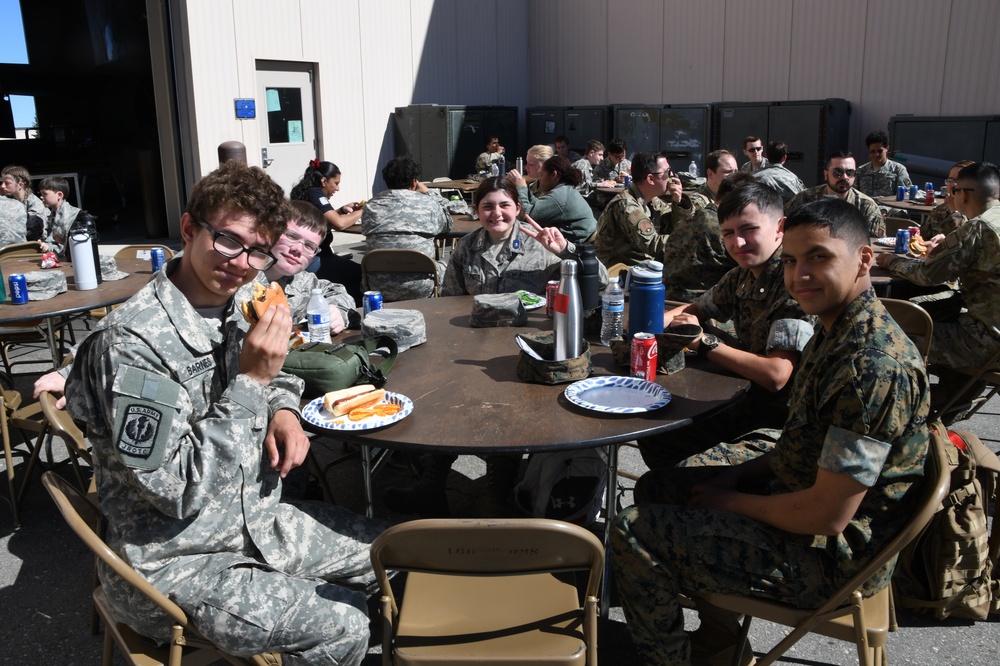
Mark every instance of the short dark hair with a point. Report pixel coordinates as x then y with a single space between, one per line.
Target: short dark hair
986 177
878 136
562 138
776 151
838 154
842 219
55 184
713 158
594 144
306 215
563 169
644 163
750 138
400 172
495 184
236 187
766 199
617 146
734 181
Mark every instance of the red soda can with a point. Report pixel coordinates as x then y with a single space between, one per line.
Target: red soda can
643 363
551 289
914 232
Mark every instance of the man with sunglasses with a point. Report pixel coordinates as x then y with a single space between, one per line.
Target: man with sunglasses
839 175
194 426
881 176
754 150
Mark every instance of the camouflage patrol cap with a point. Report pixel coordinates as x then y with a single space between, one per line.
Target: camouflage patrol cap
43 285
670 347
406 327
551 372
109 269
498 310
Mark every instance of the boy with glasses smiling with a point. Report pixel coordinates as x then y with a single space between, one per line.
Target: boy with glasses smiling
839 175
880 177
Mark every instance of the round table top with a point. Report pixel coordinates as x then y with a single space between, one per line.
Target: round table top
918 206
468 399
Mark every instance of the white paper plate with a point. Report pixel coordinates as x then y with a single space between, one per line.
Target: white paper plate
886 241
527 297
317 415
617 395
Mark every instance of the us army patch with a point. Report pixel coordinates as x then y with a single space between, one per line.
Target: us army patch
139 429
145 405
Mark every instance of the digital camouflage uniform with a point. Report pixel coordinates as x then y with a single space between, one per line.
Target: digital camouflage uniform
632 231
782 179
404 220
486 159
190 500
57 228
562 207
970 254
478 266
13 221
765 318
883 181
695 257
586 170
748 166
869 209
859 407
605 170
37 214
298 290
941 220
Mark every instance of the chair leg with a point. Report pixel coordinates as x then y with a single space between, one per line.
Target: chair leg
32 461
742 640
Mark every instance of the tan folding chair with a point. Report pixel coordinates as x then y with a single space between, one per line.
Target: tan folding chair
399 261
185 646
485 591
27 249
846 615
894 224
14 417
914 321
132 251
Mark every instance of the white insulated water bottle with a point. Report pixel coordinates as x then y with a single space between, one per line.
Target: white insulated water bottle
81 253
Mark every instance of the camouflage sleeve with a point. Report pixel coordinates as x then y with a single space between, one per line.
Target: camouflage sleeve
642 231
904 176
284 392
454 275
873 215
959 249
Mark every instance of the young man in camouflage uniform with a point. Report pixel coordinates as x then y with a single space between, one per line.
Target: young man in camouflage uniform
193 427
13 221
754 151
615 164
880 177
53 192
777 175
585 165
839 176
407 216
795 523
635 225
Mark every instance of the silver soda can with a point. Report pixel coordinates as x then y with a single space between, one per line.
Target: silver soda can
157 257
372 300
18 288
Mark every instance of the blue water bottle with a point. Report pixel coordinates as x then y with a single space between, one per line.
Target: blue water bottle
646 297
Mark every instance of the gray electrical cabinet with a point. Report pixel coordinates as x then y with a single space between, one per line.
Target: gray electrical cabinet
733 121
638 126
686 134
948 138
812 130
543 124
585 123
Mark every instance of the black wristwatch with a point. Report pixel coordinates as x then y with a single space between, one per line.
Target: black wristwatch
707 344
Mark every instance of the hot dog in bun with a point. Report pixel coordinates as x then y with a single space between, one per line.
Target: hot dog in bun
343 401
262 298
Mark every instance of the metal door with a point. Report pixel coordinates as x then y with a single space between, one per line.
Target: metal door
287 119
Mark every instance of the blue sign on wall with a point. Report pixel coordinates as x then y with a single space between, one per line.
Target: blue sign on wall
246 108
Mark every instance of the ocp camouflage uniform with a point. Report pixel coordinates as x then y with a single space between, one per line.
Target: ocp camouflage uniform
631 231
190 500
765 319
883 181
404 220
869 209
478 266
782 179
941 220
13 221
605 170
970 254
748 166
298 290
57 228
695 257
859 407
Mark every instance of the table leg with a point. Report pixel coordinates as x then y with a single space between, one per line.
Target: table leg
609 514
366 469
50 337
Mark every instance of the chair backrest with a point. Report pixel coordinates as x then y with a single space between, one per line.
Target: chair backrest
915 322
14 250
61 424
131 251
894 224
399 261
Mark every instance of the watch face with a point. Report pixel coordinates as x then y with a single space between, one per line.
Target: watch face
711 341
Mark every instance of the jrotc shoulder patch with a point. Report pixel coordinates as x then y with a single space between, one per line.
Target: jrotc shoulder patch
145 406
140 426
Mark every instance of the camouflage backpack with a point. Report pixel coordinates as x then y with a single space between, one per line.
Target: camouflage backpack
951 569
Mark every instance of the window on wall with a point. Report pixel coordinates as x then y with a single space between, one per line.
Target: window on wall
284 115
13 50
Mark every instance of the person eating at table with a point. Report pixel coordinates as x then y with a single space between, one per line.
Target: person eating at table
494 151
945 217
971 255
502 257
194 426
839 178
559 203
880 176
615 164
794 524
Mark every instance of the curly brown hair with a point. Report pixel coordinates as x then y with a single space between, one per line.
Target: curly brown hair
236 187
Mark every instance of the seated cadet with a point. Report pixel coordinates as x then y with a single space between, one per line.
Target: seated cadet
945 217
558 203
494 151
777 175
53 192
561 145
796 523
880 177
586 164
13 222
194 426
615 165
635 225
718 165
771 329
754 151
839 176
971 255
17 185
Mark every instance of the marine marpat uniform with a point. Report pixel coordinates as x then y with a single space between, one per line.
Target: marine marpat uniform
632 230
13 221
695 257
190 501
869 209
859 407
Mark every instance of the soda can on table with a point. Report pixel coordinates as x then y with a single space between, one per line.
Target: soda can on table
372 300
902 241
913 192
901 193
18 288
914 231
551 289
627 179
929 194
643 358
157 257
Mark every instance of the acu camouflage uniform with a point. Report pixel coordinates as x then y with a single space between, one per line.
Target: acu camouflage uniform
883 181
748 166
37 214
13 221
586 170
695 257
190 500
941 220
57 228
859 407
605 170
869 209
404 220
971 254
779 177
298 290
632 231
765 318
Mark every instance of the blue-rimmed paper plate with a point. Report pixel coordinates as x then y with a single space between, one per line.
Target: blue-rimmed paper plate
617 395
317 415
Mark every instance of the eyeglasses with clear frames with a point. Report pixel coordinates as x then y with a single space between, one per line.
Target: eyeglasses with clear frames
291 239
669 173
230 247
840 173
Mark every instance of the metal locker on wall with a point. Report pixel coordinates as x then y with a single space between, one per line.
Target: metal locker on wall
543 124
637 126
446 140
733 121
585 123
685 134
812 130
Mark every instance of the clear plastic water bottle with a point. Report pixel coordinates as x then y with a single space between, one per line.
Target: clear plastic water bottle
693 168
318 317
494 170
612 312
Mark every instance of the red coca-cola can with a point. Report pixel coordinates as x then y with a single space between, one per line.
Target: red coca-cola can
914 232
643 363
551 290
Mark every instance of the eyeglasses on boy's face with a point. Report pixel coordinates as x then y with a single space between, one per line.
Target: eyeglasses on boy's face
230 247
291 239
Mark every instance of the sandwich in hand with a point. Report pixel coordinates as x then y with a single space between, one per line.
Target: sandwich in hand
358 402
262 298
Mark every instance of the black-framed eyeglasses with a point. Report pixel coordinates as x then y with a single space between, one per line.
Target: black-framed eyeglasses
754 149
840 173
230 247
292 239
